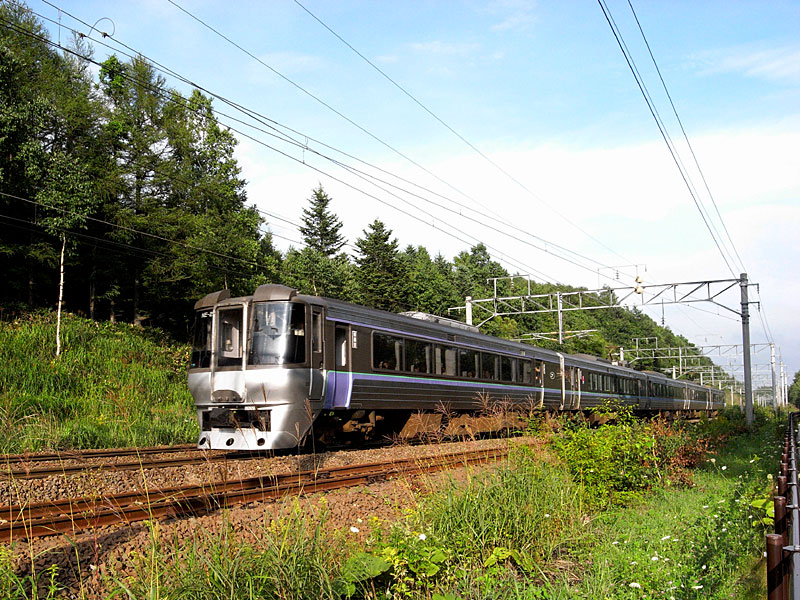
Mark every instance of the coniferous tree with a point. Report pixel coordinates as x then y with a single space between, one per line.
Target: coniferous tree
320 229
381 276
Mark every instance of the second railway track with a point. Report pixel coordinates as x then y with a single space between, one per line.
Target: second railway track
77 514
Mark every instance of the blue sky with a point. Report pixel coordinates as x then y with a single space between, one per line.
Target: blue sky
543 90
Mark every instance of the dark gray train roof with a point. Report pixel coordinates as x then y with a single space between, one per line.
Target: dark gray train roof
339 310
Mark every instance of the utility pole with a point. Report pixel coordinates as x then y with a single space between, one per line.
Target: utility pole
748 381
775 402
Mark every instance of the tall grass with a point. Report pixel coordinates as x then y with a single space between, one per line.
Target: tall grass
113 385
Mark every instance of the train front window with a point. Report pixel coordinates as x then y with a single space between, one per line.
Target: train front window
277 334
201 348
229 337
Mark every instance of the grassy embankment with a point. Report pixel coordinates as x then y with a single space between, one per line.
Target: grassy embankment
113 385
627 511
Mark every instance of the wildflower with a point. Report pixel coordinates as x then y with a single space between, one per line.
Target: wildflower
354 529
752 461
546 515
423 537
654 558
634 563
697 587
93 567
666 537
724 467
704 567
634 585
705 506
712 460
614 543
724 530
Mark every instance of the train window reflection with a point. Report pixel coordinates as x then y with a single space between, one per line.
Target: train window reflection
387 352
277 334
467 362
201 348
229 337
418 356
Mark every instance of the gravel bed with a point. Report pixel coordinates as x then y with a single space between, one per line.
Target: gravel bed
90 562
99 483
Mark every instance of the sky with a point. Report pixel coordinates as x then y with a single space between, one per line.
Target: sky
522 128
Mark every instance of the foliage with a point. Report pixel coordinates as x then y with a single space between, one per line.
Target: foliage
114 385
320 229
794 390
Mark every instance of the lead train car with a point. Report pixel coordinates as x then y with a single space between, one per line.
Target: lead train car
269 370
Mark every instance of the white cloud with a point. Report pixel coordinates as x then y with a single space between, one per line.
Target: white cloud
515 14
781 64
444 48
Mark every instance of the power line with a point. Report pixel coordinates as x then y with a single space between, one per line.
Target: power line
664 135
338 163
459 136
686 137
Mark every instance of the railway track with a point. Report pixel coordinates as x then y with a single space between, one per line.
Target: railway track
29 457
36 472
77 514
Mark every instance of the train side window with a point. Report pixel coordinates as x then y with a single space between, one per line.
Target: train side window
229 338
527 372
506 372
489 365
418 356
467 362
450 358
316 331
387 352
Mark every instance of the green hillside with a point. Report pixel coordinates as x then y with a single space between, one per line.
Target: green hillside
113 385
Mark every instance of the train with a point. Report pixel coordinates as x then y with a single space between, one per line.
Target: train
280 369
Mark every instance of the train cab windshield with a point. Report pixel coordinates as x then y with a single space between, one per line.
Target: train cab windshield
277 334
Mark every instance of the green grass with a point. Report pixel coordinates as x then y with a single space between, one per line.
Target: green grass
113 385
677 540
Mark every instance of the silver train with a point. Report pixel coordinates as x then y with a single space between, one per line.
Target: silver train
277 369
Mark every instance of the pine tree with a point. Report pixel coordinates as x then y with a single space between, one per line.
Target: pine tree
321 227
381 275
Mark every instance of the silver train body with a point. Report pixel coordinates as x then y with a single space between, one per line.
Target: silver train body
271 369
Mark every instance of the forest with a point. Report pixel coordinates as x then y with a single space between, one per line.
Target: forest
131 190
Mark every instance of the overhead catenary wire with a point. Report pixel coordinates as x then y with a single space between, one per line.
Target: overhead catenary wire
512 263
664 135
304 145
477 150
686 137
278 236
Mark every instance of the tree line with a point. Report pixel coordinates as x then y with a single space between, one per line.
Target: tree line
130 189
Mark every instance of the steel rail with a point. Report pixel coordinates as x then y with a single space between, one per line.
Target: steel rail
76 514
135 465
28 457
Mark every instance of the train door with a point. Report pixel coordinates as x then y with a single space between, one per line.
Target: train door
577 377
341 379
228 370
317 352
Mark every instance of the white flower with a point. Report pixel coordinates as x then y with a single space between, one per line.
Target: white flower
724 467
705 506
614 543
712 460
546 515
697 587
704 567
423 537
654 558
635 585
634 563
666 537
354 529
724 530
752 461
